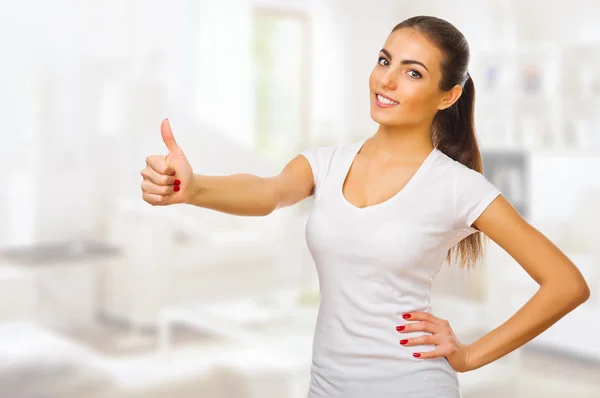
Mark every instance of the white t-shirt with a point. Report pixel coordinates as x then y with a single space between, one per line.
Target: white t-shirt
375 264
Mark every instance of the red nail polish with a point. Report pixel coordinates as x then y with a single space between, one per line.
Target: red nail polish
176 188
406 316
176 182
416 355
400 328
403 341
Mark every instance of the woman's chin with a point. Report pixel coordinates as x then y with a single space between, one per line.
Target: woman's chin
383 119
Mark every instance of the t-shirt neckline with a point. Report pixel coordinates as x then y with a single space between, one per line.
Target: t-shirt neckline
402 192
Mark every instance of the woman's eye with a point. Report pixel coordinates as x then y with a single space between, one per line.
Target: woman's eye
416 74
383 62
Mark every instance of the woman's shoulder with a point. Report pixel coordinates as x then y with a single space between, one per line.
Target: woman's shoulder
472 191
458 169
464 180
322 158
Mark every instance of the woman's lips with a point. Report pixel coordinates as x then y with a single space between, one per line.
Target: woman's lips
387 104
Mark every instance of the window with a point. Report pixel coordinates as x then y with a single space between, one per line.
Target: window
281 86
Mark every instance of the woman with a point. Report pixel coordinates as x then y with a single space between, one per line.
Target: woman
388 211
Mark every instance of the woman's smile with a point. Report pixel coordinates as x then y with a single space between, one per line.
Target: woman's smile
384 102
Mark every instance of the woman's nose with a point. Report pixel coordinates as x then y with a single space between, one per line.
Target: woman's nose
388 81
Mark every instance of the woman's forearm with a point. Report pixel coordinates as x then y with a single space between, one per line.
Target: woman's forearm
237 194
550 303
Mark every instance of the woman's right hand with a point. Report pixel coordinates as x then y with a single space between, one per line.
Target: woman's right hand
167 179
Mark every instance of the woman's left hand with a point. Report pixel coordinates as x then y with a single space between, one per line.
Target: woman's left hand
447 345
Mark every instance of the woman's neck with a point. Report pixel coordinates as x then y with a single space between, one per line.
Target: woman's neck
400 143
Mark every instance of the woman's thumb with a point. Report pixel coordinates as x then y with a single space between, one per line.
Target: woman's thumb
168 138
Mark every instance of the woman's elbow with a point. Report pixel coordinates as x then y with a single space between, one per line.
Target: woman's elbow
582 289
583 292
572 293
578 292
578 288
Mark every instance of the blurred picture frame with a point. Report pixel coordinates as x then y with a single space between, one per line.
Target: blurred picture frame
509 170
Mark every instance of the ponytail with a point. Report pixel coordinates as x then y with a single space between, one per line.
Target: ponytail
454 129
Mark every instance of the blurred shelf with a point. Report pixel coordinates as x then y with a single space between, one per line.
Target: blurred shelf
539 92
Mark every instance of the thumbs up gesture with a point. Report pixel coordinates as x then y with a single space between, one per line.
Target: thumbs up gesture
167 178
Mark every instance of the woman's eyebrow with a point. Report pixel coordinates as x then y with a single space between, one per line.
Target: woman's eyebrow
405 61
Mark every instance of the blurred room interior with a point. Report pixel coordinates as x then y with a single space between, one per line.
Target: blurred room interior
105 296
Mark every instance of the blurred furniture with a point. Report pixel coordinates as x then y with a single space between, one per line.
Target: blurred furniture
37 362
274 332
18 297
245 319
181 255
278 368
56 284
187 374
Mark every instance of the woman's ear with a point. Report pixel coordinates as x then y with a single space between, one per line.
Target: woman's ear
450 97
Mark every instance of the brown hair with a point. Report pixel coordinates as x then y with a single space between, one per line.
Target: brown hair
453 130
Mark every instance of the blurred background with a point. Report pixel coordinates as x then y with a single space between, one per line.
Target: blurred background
105 296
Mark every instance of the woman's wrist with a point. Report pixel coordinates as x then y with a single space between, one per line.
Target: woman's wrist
470 361
194 190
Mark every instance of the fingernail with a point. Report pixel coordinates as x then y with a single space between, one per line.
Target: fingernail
176 182
406 316
400 327
403 341
176 188
416 355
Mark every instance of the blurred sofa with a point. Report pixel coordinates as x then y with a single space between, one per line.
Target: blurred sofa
178 256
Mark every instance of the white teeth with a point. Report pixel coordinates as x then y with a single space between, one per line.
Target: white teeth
385 101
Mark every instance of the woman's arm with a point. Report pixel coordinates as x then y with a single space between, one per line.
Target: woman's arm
251 195
169 180
562 286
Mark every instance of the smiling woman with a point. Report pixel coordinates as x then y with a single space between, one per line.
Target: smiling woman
391 208
388 211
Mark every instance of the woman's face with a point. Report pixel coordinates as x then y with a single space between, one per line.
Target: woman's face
407 73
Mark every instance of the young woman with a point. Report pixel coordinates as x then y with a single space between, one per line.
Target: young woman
388 211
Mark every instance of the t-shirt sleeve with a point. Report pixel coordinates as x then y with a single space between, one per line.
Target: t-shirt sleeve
319 159
473 193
